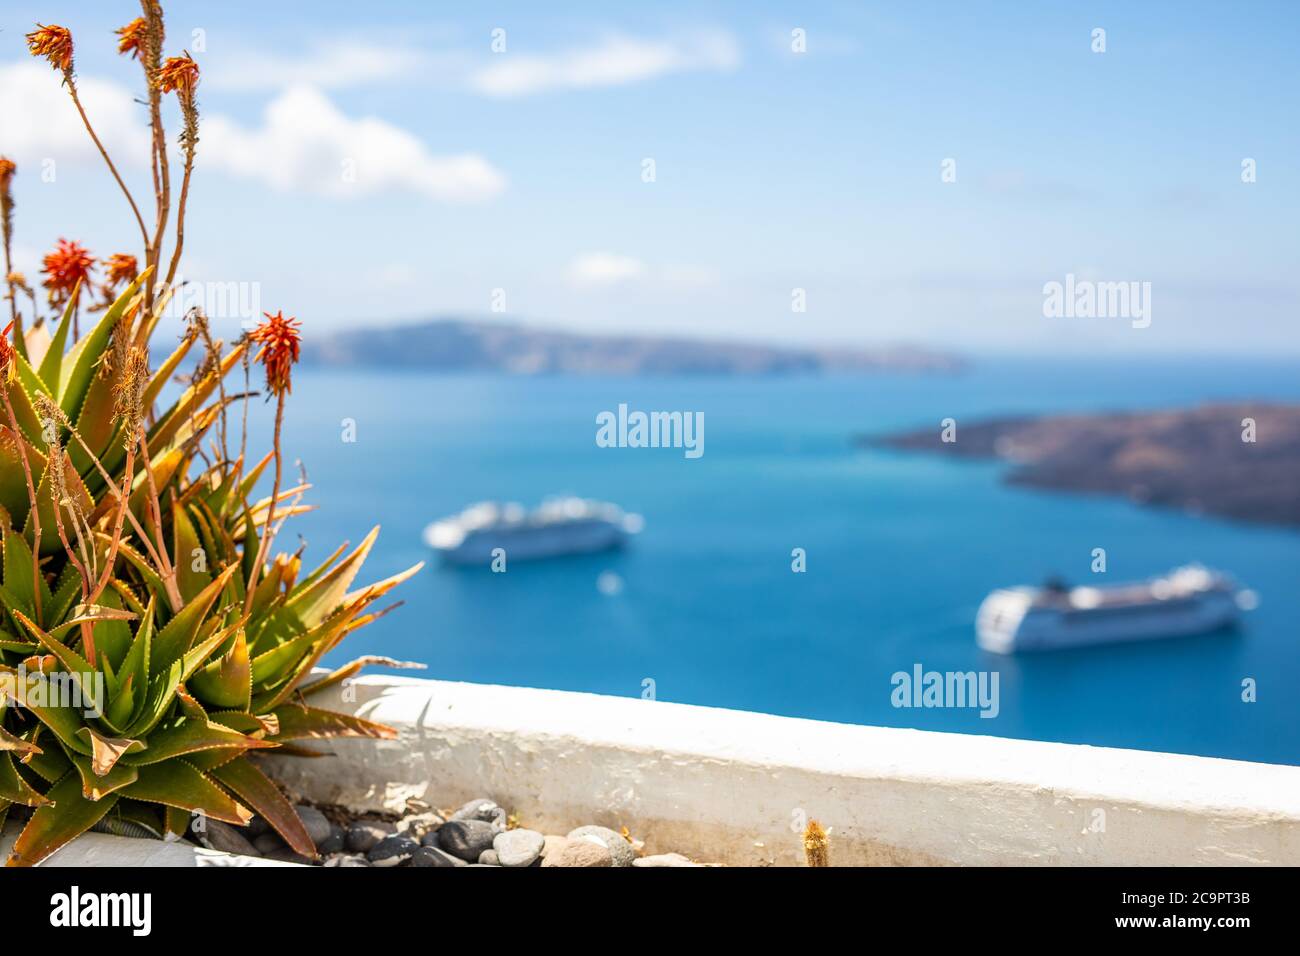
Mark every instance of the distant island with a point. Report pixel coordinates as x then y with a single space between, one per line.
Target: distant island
1195 459
454 345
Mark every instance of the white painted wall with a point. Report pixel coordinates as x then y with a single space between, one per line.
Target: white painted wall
726 786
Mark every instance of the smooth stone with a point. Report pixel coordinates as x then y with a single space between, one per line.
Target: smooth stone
222 836
665 859
419 825
466 839
332 843
317 824
432 856
620 851
489 858
554 844
579 853
482 809
256 827
268 843
364 835
392 851
346 859
518 847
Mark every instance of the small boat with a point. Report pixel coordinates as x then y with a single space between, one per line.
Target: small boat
559 526
1189 600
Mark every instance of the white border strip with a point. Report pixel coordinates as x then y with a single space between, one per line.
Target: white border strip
731 787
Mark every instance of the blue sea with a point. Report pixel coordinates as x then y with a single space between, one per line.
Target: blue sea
900 548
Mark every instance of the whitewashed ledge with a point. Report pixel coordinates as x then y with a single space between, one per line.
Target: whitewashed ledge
101 849
726 786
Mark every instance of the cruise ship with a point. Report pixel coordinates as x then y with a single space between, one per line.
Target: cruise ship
1189 600
560 526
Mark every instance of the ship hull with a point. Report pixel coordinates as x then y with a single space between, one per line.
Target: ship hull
999 629
533 544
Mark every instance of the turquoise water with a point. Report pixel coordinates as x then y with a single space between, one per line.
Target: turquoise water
900 549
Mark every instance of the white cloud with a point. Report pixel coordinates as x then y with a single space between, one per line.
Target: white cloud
329 65
604 268
39 122
306 143
614 61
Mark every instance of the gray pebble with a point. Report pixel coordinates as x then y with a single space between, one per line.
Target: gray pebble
346 859
518 847
268 843
479 809
318 826
466 839
392 851
364 835
579 853
489 858
332 843
432 856
216 835
620 851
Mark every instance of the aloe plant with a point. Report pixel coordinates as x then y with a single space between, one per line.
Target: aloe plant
151 641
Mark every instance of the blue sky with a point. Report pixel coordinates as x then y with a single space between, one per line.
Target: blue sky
521 170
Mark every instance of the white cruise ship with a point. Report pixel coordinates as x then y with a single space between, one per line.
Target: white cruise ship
1190 600
558 527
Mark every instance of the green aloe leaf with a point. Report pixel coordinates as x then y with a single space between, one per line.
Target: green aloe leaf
64 721
227 681
252 786
66 591
299 722
20 396
191 556
19 582
176 783
315 603
175 639
14 788
82 361
352 668
163 688
105 752
97 786
45 507
77 668
133 674
97 423
164 373
16 744
49 764
187 736
52 363
67 816
14 497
